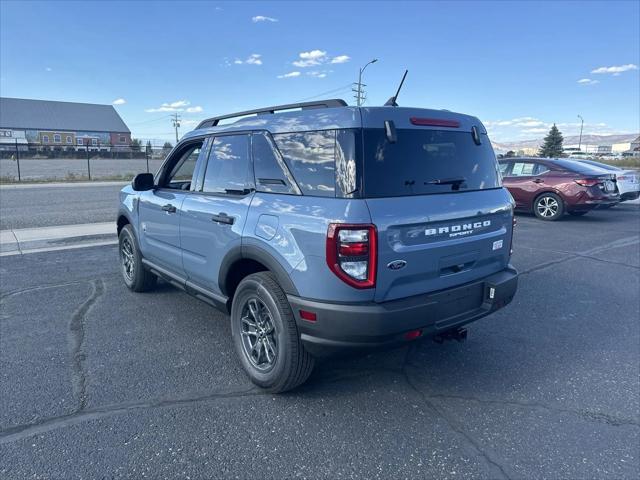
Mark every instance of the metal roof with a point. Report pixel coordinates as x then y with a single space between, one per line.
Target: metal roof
49 115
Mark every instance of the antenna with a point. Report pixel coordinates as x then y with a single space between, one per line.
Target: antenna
392 101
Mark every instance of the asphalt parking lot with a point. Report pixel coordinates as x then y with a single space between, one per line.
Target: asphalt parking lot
97 381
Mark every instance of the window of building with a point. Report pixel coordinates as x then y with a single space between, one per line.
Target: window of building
94 141
228 165
310 157
45 138
80 141
57 138
122 139
69 140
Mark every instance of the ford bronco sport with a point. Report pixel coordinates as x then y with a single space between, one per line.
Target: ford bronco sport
321 227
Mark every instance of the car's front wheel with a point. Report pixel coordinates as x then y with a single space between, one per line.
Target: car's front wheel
135 276
266 336
548 206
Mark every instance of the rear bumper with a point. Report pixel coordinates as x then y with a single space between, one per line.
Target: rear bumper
340 327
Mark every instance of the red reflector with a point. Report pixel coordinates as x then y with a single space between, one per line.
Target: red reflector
413 334
354 249
310 316
434 122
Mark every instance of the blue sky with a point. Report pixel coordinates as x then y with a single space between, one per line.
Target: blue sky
519 66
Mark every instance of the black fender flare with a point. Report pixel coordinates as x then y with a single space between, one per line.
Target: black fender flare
253 252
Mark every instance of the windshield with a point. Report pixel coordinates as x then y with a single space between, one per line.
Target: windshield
426 162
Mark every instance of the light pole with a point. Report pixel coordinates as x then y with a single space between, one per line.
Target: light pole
581 125
359 93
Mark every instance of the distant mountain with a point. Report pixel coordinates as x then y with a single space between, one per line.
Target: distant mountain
570 140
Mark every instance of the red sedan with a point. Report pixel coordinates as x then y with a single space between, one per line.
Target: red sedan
551 187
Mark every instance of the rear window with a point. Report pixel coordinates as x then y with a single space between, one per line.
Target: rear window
426 162
578 167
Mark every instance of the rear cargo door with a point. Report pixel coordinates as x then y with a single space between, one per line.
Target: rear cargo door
442 216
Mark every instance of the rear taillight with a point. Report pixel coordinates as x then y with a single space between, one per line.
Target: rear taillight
623 177
352 253
587 182
514 222
434 122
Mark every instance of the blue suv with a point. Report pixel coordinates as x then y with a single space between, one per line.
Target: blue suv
321 228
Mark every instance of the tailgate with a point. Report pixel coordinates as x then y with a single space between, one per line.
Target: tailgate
433 242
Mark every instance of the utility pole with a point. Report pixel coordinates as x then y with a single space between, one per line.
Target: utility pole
175 118
359 92
581 125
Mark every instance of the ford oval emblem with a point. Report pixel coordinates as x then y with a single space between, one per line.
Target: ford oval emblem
396 264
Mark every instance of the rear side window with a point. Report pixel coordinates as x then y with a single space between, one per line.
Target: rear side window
522 169
425 162
310 157
228 165
270 171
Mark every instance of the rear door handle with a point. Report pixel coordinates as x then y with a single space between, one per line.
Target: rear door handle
169 208
223 218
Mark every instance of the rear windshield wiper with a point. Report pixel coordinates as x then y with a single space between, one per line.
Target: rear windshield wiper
446 181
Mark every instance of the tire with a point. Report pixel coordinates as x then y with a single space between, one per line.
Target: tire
578 214
548 206
136 277
267 342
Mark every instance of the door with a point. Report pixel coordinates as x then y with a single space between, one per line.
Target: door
213 217
523 182
159 209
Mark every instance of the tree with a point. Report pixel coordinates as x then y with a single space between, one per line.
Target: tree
136 144
149 148
167 146
552 146
510 154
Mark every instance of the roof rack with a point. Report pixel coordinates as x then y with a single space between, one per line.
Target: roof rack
331 103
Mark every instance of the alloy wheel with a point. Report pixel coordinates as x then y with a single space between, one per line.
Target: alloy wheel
258 334
128 261
547 207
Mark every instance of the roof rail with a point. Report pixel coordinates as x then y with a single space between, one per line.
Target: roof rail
331 103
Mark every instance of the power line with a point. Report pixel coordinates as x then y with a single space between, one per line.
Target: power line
328 92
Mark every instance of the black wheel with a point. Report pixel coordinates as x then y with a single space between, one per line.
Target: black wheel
548 206
135 276
579 214
266 336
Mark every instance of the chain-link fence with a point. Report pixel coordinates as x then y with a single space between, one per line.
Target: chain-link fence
31 162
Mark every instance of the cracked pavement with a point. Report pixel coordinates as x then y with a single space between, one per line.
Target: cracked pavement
96 381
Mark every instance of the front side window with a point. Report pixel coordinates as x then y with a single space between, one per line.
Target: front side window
503 167
181 172
310 157
228 165
271 173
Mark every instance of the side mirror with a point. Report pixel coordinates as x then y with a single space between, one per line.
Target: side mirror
143 182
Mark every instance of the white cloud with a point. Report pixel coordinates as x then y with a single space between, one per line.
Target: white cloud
587 81
534 130
49 69
616 69
341 59
177 106
289 75
317 74
253 59
262 18
530 123
196 109
119 101
311 58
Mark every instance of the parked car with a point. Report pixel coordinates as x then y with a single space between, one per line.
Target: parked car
325 229
628 181
551 187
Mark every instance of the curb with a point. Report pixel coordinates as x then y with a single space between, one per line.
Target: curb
45 239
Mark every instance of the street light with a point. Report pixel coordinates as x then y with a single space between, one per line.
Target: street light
359 98
581 125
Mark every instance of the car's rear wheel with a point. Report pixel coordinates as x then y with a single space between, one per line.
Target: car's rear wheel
266 336
134 274
579 214
548 206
